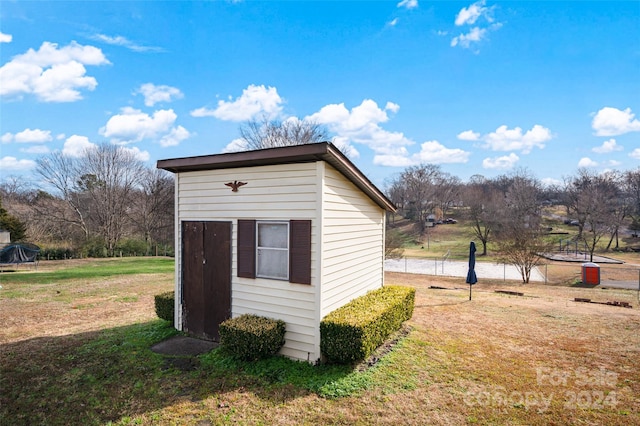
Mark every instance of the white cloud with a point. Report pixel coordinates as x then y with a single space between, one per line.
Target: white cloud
394 160
235 145
393 22
587 162
362 125
435 153
124 42
12 163
408 4
154 94
140 155
75 146
36 149
133 125
33 136
52 74
469 15
504 162
5 38
391 106
475 35
347 149
551 182
612 122
468 135
607 146
28 136
504 139
175 136
430 152
255 101
635 154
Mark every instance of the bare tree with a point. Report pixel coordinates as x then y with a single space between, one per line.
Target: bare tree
397 192
447 191
419 191
61 173
619 207
96 189
109 175
484 204
266 133
152 207
523 248
520 236
595 201
631 190
393 243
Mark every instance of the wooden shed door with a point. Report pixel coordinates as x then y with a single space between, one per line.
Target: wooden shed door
206 277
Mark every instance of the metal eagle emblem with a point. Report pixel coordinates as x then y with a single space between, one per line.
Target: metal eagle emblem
235 185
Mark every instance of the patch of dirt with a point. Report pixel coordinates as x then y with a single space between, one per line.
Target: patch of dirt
62 309
385 348
182 363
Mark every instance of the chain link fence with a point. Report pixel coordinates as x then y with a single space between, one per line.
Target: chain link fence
618 275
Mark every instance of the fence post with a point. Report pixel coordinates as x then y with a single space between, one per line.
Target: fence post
546 271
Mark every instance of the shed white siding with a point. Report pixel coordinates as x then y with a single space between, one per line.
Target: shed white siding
352 242
347 231
274 192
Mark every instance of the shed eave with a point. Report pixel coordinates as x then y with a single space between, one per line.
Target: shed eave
323 151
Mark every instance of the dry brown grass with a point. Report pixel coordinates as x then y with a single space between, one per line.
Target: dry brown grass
498 359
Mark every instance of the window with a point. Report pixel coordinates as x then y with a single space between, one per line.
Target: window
272 250
277 250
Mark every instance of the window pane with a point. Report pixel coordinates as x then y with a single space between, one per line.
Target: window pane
273 235
273 263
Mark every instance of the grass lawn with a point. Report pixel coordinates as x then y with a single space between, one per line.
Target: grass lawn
74 349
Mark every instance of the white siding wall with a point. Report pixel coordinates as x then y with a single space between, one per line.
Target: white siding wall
282 192
352 242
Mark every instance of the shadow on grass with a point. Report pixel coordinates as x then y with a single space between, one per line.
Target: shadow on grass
98 377
584 285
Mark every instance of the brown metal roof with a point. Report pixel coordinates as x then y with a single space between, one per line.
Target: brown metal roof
323 151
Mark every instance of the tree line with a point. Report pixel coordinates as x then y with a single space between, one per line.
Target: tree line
99 204
508 210
106 200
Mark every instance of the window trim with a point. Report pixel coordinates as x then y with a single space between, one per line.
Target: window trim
287 249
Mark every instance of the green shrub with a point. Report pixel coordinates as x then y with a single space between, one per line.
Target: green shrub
132 247
165 305
94 247
55 253
251 337
351 333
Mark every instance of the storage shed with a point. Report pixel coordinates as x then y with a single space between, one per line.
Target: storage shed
290 233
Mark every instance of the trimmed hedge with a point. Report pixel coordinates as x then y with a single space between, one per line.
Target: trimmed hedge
352 332
165 305
252 337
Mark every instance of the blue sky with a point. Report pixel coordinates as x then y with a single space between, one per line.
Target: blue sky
476 87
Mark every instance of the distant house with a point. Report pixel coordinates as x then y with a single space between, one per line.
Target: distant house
289 233
5 238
